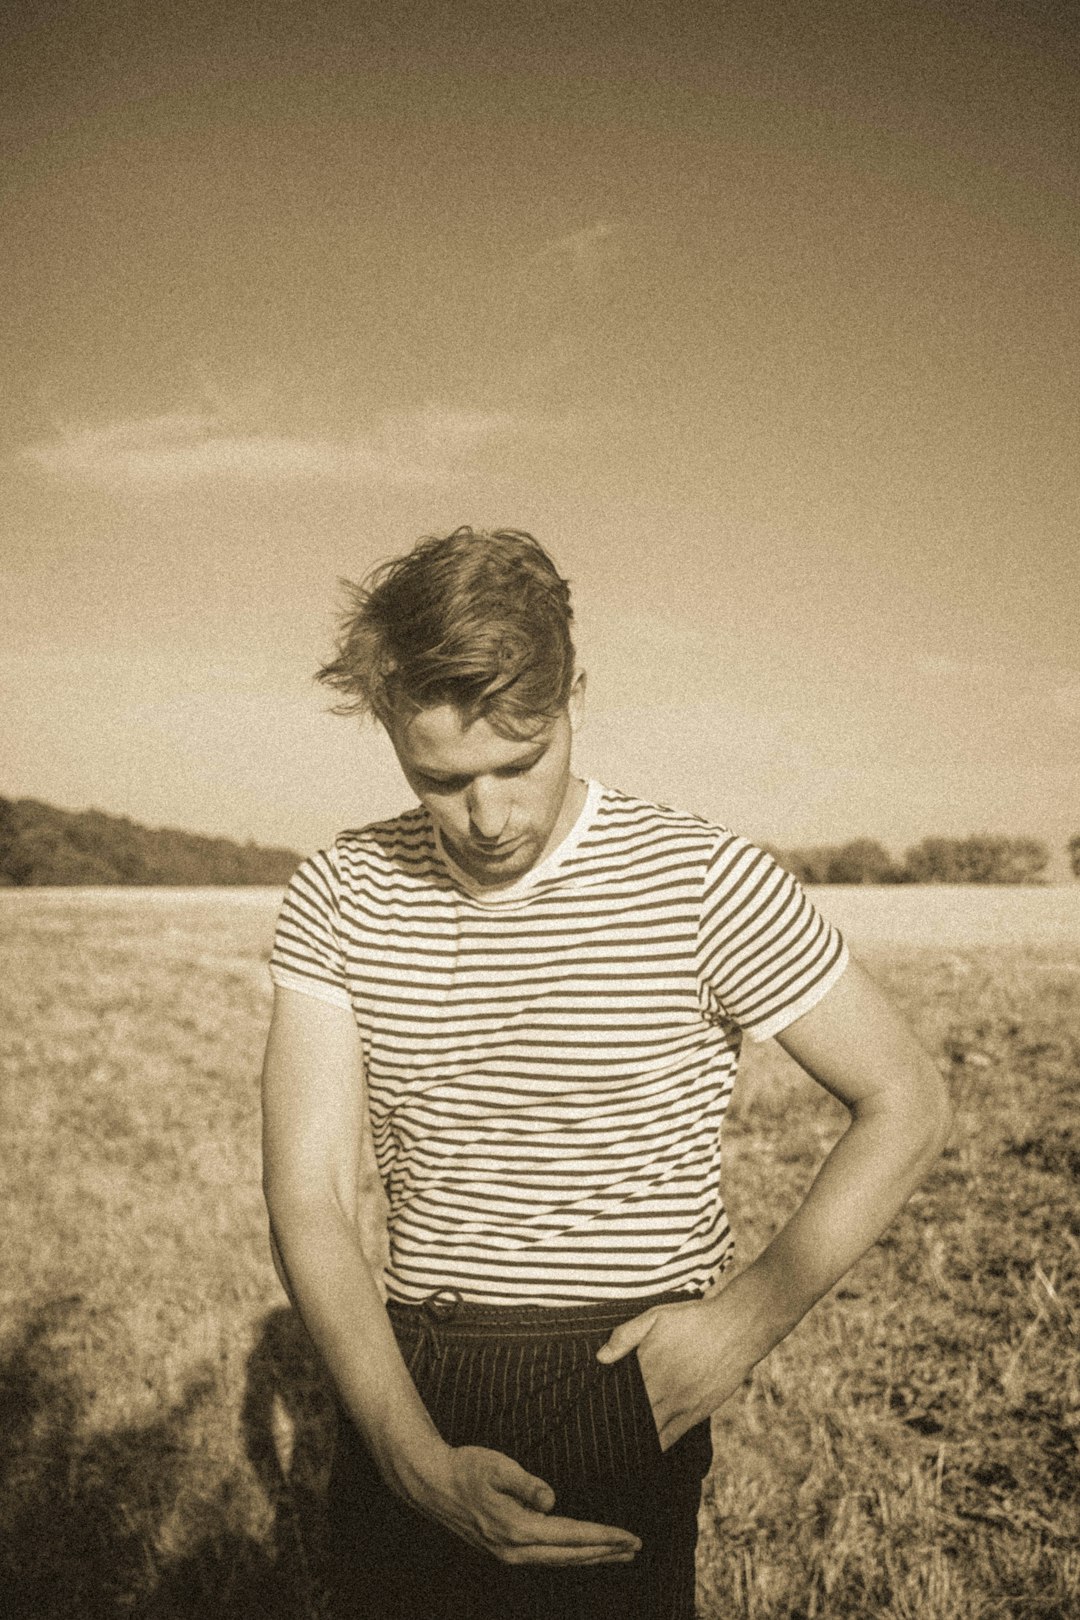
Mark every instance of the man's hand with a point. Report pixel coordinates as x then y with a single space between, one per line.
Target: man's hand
693 1356
494 1504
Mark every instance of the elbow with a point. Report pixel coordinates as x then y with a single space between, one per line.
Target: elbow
915 1124
286 1205
289 1206
301 1211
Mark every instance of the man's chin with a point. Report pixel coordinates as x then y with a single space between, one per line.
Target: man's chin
493 867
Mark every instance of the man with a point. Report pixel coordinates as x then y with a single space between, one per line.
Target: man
531 991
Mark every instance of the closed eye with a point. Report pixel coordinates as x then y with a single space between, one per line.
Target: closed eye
458 784
444 784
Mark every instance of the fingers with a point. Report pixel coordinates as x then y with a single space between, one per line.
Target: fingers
626 1337
562 1557
506 1511
537 1536
539 1539
579 1534
542 1528
513 1480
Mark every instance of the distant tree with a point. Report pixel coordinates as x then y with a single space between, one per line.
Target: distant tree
1027 861
34 848
116 842
61 865
1074 854
809 865
40 844
863 860
981 858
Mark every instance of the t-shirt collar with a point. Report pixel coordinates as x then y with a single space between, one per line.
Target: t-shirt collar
536 874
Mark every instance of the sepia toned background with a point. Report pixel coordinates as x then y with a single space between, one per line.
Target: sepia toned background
764 317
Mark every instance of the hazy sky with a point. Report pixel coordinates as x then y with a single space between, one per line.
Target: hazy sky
764 317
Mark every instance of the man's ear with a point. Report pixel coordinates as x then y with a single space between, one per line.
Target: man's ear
575 703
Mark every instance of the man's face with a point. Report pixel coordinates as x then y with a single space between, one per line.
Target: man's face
500 804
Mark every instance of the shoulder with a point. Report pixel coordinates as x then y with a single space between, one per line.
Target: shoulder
621 814
401 841
397 854
639 826
395 837
746 877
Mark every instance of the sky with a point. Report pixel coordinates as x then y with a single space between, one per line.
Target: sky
764 318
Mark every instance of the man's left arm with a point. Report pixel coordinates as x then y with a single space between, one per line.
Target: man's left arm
694 1356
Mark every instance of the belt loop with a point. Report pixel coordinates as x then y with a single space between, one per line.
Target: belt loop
443 1305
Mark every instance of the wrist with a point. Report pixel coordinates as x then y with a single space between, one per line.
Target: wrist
766 1306
421 1476
412 1458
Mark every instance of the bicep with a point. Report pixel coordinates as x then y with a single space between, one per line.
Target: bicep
857 1046
314 1103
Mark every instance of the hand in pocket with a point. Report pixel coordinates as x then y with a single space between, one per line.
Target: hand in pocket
689 1364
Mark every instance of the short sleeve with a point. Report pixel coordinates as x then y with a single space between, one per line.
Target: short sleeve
766 955
307 951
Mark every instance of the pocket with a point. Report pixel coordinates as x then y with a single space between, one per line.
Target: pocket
643 1407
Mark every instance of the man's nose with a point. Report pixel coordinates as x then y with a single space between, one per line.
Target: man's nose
488 808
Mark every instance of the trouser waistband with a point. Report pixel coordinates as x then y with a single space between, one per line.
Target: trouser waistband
458 1319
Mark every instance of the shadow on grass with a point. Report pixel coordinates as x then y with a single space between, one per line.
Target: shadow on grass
139 1520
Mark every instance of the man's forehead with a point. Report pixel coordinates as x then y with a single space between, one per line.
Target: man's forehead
445 739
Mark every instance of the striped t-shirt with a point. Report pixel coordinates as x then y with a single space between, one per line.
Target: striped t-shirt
548 1064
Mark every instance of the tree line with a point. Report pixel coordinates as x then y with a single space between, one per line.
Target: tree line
980 858
40 844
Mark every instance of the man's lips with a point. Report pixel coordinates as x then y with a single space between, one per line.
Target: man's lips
489 852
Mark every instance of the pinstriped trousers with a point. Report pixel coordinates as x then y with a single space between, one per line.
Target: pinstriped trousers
523 1380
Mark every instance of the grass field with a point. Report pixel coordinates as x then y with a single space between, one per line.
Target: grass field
911 1451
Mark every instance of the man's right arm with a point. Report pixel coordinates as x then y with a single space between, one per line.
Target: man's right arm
314 1108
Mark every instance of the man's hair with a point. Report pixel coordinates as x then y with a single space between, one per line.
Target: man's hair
479 619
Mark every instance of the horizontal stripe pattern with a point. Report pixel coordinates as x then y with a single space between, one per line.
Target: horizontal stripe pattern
548 1066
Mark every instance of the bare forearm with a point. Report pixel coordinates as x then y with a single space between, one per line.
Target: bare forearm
694 1356
864 1182
332 1285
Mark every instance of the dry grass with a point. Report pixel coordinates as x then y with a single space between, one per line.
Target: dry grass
909 1452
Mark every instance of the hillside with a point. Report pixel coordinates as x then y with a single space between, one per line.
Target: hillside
40 844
